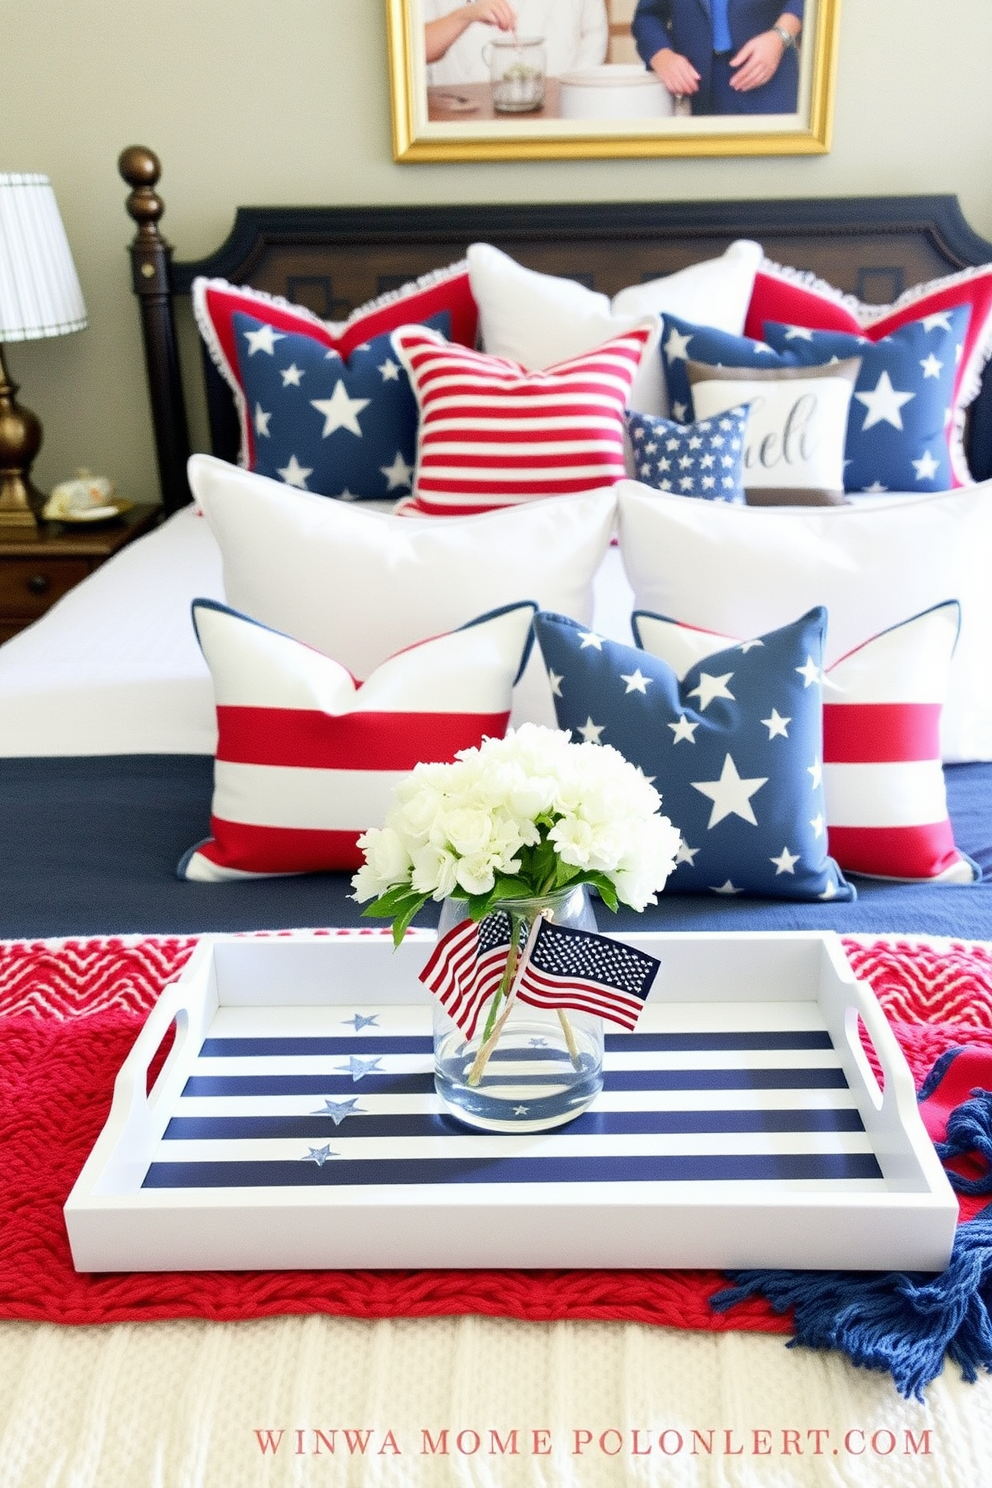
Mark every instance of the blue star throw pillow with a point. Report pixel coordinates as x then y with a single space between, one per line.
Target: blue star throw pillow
323 424
705 459
899 428
899 424
735 748
682 343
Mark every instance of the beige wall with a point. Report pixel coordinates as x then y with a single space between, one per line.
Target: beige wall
286 101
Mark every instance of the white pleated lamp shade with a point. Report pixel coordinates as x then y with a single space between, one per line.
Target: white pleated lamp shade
39 290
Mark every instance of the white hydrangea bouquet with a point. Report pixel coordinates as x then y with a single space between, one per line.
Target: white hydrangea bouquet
521 817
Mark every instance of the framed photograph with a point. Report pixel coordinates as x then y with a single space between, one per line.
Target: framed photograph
567 79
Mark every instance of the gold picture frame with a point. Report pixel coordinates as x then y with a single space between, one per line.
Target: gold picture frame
422 132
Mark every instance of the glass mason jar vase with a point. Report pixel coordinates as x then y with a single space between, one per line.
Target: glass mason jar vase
546 1066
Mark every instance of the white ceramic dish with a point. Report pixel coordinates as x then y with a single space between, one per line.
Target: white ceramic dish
614 91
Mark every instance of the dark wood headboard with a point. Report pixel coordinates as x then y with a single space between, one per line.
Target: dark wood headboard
333 259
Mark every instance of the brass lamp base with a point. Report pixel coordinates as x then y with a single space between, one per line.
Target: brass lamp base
20 441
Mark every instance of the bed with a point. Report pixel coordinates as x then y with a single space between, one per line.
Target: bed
107 736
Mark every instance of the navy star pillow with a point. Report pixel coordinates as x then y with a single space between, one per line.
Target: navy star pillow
337 427
899 425
735 748
899 428
705 459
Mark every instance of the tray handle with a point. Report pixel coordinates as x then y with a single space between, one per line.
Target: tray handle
896 1096
137 1114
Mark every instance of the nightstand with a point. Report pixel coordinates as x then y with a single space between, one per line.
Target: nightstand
35 571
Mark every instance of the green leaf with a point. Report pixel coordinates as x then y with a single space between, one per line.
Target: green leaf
607 892
392 899
566 873
402 921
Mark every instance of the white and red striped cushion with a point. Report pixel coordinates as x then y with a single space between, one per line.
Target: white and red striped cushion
882 776
493 434
307 757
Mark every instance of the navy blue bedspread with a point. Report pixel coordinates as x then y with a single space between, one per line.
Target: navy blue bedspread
89 847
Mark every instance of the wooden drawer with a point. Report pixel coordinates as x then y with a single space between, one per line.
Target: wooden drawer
30 586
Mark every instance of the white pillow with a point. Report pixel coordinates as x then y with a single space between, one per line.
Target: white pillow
538 319
361 585
746 570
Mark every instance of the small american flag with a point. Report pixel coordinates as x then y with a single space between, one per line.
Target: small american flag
566 969
467 966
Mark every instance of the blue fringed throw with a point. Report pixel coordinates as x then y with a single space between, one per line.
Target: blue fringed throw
906 1323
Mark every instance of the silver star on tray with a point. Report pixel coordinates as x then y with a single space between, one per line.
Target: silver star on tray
338 1110
357 1067
359 1021
319 1155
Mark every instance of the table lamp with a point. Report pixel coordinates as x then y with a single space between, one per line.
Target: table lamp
39 296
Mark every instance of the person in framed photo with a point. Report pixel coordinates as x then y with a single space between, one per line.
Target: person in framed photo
725 56
575 33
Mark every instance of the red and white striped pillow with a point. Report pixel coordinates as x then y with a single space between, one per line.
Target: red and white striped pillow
307 757
493 434
883 781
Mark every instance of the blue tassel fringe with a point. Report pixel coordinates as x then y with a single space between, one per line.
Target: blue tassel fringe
904 1323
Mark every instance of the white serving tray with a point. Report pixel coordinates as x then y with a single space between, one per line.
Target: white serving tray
294 1124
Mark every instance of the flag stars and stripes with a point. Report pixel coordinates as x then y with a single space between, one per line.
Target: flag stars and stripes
292 375
785 862
636 681
815 773
686 854
816 822
262 421
555 679
566 968
932 366
590 638
389 370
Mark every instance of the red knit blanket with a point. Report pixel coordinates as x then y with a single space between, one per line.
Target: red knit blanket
72 1011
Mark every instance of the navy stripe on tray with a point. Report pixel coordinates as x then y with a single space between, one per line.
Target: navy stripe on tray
358 1109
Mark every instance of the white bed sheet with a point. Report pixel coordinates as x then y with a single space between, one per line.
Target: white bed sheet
115 668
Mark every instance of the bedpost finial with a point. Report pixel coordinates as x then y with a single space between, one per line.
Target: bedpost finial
141 169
